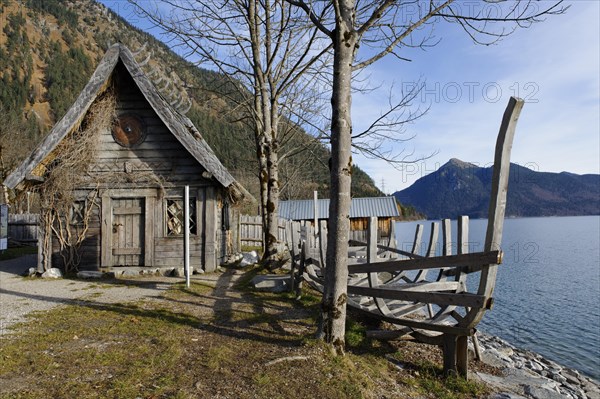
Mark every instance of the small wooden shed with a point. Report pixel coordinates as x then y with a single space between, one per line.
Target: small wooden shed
130 191
361 209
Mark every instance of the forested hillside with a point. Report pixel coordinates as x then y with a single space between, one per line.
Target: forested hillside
49 49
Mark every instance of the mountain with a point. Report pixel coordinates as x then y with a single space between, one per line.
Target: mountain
48 51
461 188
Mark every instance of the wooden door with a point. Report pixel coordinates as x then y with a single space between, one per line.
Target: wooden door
128 224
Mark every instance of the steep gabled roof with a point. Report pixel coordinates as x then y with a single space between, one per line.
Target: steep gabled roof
179 125
359 208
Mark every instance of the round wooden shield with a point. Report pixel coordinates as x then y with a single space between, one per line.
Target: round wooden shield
129 130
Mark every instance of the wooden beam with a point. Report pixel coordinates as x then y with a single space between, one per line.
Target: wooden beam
493 237
492 257
385 335
423 325
124 210
385 248
34 178
126 251
438 298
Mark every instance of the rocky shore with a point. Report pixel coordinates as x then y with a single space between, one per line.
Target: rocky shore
526 374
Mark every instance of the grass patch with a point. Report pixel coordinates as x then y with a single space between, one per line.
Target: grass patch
117 351
197 288
250 248
218 357
193 343
12 253
428 378
431 380
355 334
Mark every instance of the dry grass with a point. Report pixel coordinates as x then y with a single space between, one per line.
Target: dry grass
204 342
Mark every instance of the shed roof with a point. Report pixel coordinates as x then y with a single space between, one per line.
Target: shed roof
179 125
359 208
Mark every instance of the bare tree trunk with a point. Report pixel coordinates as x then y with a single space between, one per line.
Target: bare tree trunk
272 238
263 178
335 294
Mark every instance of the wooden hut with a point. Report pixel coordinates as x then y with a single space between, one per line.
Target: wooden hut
361 209
128 196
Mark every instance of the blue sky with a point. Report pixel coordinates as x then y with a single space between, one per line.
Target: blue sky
554 66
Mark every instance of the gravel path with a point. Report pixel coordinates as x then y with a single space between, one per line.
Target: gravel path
20 296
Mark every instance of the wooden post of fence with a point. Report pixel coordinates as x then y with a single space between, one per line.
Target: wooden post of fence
392 241
372 240
239 232
316 212
323 242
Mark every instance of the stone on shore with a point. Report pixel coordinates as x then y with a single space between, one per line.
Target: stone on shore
270 282
180 271
52 273
529 375
249 258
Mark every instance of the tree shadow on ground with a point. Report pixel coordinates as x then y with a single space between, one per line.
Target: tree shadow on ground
235 313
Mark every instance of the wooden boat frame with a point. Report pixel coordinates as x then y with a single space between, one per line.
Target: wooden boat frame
425 297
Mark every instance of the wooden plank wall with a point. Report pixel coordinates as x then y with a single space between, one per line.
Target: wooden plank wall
362 224
23 227
160 155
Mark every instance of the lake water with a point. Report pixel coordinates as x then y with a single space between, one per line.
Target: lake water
547 296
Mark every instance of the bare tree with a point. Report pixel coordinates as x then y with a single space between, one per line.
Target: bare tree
266 52
381 28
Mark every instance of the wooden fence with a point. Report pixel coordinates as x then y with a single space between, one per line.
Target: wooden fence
251 230
23 227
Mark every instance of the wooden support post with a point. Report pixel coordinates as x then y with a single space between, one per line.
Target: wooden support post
462 356
449 353
186 234
455 352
